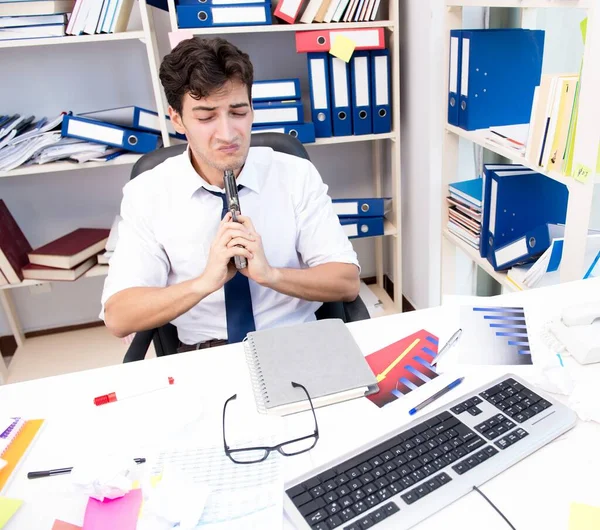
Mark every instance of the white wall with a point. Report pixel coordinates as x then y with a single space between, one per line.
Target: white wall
47 80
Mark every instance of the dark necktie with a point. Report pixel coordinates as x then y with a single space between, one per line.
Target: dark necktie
238 302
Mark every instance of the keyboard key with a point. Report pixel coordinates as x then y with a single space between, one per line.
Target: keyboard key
359 507
326 476
317 491
319 515
503 443
443 478
387 456
372 500
458 409
311 506
521 433
341 479
353 473
377 516
366 522
364 468
334 508
347 514
409 497
302 499
390 508
346 501
330 485
366 478
330 497
295 491
343 490
461 468
422 427
433 484
357 495
354 484
311 483
432 422
491 451
473 444
544 404
321 526
474 411
334 521
476 400
423 490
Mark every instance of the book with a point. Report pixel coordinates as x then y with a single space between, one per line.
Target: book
18 449
72 249
14 246
39 272
321 355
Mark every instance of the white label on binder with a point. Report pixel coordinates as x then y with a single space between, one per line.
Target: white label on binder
493 197
350 230
453 64
274 129
238 15
362 37
276 115
381 80
281 89
319 85
288 7
150 121
361 80
464 75
511 252
231 2
98 133
340 83
345 208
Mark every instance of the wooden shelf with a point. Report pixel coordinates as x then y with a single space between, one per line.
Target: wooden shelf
578 4
479 137
70 39
52 167
96 270
500 277
274 28
351 139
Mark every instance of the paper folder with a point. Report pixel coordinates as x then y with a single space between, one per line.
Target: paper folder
375 207
321 40
206 15
340 97
320 104
380 91
305 132
360 88
356 227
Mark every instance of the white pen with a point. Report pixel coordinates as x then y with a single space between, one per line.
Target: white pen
447 346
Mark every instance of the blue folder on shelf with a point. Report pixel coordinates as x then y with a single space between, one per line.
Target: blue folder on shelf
499 71
526 248
305 132
520 202
276 89
360 69
133 118
108 134
207 15
356 227
485 210
381 91
280 112
320 101
372 207
340 97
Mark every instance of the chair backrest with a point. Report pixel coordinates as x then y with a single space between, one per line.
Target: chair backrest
283 143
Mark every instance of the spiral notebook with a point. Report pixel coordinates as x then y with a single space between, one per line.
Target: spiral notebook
322 356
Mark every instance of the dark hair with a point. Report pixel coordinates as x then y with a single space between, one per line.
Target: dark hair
202 67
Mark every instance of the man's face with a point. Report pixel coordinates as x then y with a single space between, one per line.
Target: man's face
217 127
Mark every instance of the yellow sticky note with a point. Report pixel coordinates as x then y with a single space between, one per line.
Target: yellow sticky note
8 507
342 47
582 173
584 517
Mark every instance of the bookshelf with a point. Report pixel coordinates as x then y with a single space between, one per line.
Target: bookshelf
585 150
385 147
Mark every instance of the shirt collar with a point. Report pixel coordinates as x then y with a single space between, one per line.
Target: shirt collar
251 176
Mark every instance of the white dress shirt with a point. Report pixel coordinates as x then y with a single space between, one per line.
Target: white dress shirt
169 221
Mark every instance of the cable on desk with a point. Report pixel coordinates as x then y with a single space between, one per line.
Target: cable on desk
494 506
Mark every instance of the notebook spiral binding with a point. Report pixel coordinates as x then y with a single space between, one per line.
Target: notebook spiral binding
259 388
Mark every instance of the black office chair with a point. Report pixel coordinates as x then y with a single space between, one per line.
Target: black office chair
165 337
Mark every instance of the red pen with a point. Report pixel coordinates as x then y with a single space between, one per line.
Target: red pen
124 394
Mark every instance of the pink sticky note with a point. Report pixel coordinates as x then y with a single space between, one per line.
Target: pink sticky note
61 525
175 37
116 514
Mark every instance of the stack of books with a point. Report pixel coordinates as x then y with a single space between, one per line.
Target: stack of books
464 210
327 11
278 107
33 19
99 16
65 258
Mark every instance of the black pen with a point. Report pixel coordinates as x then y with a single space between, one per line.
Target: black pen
64 470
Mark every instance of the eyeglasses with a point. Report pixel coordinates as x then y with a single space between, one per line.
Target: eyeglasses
253 455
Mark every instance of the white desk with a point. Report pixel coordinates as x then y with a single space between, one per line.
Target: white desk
536 493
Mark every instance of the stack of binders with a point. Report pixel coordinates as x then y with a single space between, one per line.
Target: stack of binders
278 107
218 13
362 217
519 206
126 133
493 75
33 19
348 98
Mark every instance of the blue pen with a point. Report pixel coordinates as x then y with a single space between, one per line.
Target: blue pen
436 396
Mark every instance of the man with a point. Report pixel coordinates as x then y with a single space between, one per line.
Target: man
173 260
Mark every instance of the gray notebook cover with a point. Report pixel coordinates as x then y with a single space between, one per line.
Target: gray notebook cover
322 356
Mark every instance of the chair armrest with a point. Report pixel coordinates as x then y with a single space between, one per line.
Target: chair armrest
139 346
356 310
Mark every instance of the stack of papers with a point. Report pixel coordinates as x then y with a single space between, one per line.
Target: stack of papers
512 136
464 210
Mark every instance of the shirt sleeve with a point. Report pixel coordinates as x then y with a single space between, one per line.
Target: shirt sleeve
320 236
139 260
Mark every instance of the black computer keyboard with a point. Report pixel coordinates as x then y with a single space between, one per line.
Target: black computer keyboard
428 463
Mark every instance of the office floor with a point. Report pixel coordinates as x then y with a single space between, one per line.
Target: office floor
67 352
